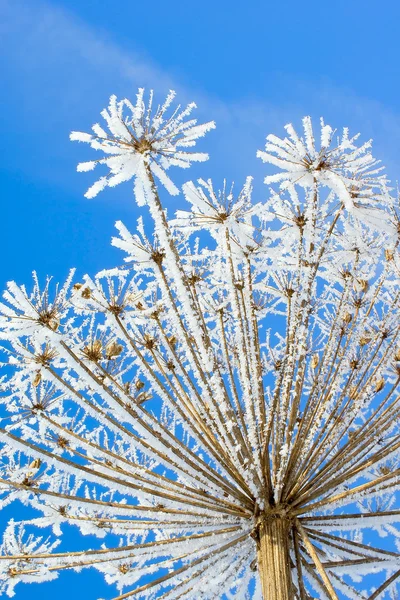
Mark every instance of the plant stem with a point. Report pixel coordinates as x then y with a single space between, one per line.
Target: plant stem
274 558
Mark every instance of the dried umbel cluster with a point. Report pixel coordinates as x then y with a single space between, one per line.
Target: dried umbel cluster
223 413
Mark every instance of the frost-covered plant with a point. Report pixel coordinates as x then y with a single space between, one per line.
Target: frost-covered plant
223 412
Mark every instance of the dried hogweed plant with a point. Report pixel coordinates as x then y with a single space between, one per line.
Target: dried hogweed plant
223 412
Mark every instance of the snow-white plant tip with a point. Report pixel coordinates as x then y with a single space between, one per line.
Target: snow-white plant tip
349 170
138 141
220 418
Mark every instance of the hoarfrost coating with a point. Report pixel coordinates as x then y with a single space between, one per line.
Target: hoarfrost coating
141 140
220 390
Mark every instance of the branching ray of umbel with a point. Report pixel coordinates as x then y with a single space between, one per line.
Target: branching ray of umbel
223 412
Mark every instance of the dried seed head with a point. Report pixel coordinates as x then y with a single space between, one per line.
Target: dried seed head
361 284
194 278
37 379
142 146
35 464
389 254
156 313
44 358
158 256
222 216
97 345
347 318
27 481
123 569
116 309
306 263
113 349
364 340
139 384
172 340
379 384
300 221
397 355
49 319
86 293
93 351
62 442
77 286
54 324
149 342
12 572
315 361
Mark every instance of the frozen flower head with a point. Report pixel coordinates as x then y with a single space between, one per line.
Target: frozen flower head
17 541
350 171
141 251
219 211
40 308
141 144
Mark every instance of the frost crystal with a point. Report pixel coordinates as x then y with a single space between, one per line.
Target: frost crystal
221 415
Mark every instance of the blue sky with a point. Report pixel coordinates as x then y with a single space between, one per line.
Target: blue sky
252 66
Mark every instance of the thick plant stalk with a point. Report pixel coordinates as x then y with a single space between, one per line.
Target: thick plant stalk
274 558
